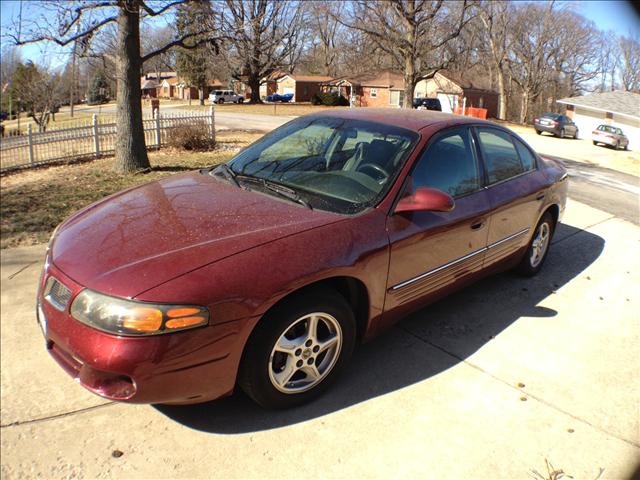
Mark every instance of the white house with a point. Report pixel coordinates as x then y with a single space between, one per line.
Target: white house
619 108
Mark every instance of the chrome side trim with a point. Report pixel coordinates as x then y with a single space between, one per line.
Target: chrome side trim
506 239
436 270
458 260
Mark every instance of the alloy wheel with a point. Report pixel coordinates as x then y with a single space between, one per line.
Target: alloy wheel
540 244
305 353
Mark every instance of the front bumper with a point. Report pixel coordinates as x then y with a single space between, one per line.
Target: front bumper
191 366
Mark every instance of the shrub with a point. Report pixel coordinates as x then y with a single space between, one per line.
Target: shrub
191 137
330 99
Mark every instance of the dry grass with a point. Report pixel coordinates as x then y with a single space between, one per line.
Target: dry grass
62 120
35 201
278 109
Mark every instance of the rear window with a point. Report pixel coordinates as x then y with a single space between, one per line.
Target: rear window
553 116
501 158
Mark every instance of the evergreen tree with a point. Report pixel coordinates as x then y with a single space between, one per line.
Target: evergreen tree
98 89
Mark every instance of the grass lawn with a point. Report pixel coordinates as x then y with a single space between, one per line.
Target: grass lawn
35 201
284 109
62 120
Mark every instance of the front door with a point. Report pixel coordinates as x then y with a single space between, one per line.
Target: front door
431 251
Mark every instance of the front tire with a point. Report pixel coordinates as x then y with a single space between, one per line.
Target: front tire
538 247
221 101
538 132
561 135
298 349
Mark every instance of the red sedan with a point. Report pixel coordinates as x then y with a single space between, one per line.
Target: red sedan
267 271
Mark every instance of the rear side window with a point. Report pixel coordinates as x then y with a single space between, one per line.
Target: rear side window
449 165
526 157
500 155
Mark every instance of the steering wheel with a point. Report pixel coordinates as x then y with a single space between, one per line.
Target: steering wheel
379 173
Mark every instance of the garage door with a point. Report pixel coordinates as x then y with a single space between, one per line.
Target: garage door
448 102
587 122
291 90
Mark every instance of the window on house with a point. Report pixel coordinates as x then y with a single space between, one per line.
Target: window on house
374 92
394 97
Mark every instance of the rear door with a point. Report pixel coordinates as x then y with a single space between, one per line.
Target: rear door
433 250
516 191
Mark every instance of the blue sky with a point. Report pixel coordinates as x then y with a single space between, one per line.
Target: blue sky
616 15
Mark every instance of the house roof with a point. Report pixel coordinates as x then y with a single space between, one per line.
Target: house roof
467 80
620 102
159 75
146 84
307 78
171 80
381 79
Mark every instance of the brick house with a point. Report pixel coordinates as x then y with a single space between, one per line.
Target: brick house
380 89
303 87
386 89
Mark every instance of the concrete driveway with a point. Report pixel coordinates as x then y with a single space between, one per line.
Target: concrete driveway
490 383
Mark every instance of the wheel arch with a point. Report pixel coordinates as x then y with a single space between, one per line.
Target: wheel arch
352 289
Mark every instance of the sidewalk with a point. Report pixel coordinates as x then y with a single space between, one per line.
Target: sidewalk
489 383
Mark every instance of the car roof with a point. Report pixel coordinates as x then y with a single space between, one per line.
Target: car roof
407 118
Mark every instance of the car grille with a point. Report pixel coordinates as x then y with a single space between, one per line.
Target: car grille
57 294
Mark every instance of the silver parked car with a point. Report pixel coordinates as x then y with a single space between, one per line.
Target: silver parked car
222 96
611 136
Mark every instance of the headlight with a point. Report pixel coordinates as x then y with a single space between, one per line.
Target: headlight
127 317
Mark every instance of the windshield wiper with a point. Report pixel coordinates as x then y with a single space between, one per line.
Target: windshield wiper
287 192
228 173
277 188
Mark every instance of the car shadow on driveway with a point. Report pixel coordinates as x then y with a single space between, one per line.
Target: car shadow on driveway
456 326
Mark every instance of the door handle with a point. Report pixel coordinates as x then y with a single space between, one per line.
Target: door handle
540 196
477 225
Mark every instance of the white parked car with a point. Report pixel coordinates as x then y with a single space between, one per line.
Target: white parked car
611 136
222 96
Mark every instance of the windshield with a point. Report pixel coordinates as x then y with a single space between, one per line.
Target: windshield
336 164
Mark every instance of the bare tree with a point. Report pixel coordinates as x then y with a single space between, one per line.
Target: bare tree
630 63
609 60
37 92
415 33
152 39
262 35
496 19
64 23
327 33
534 31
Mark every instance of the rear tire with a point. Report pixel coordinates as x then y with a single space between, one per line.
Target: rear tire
538 132
594 142
538 248
561 133
575 135
298 349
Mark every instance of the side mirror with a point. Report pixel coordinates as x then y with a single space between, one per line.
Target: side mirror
426 199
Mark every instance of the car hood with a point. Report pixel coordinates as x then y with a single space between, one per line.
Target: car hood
135 240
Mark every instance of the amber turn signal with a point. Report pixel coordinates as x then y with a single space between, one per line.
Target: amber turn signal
184 322
143 319
182 312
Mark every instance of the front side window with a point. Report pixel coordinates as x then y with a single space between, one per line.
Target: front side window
337 164
449 164
500 155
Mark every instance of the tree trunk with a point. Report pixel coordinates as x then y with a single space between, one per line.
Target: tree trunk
409 84
131 150
201 94
524 108
254 85
502 108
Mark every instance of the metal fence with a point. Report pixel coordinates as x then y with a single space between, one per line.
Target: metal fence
94 140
